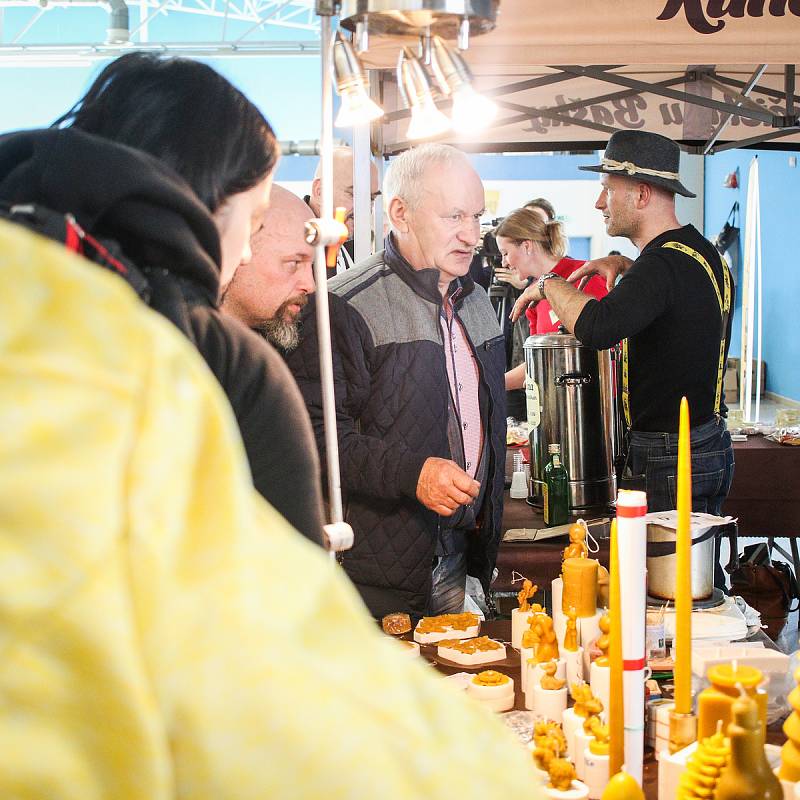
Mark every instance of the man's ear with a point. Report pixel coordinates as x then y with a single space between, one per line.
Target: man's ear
644 195
316 189
399 213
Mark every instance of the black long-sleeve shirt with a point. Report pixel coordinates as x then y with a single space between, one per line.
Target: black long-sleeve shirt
667 308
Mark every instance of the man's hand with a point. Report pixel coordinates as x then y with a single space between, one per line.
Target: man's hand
443 486
530 295
510 276
609 266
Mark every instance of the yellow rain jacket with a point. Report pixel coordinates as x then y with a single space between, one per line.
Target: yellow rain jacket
163 632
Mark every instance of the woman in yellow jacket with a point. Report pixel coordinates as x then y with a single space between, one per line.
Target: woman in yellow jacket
154 643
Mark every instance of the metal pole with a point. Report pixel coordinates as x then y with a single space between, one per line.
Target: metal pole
320 275
362 191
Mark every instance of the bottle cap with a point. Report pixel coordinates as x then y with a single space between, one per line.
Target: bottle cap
554 448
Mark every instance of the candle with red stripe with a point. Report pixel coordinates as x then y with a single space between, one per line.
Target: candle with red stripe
632 546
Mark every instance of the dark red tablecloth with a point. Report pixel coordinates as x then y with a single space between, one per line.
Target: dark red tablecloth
765 495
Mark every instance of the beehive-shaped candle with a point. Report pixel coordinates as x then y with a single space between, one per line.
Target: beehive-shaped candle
790 752
704 767
623 787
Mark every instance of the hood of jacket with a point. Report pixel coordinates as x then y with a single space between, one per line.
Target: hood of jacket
119 193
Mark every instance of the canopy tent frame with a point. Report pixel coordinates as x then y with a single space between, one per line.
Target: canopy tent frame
740 105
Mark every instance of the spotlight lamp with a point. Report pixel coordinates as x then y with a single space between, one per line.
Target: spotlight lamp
472 112
426 120
351 85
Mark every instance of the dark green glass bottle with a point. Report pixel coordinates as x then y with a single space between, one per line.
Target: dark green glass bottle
556 489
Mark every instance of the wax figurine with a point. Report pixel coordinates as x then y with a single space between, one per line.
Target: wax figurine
562 773
581 694
577 547
547 731
594 707
549 680
571 635
548 646
524 595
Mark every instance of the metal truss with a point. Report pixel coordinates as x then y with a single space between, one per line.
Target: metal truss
23 46
740 105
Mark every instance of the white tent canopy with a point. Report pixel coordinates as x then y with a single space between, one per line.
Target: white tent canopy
707 73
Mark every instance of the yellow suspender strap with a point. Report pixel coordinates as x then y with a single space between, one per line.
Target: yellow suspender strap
724 300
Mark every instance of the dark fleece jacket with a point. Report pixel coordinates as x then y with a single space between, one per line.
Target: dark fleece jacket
125 195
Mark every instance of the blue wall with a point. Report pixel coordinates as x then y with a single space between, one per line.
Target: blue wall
779 186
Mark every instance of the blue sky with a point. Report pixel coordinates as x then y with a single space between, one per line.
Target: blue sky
35 96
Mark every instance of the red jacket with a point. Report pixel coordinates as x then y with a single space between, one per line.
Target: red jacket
542 318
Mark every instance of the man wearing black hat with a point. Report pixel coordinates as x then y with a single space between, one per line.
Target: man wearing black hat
671 311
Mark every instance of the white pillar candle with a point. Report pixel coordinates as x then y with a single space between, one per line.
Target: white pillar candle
570 722
595 770
582 740
525 655
600 681
579 791
589 629
559 617
519 624
574 661
632 532
548 703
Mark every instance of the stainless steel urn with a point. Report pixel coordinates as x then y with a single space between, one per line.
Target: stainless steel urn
571 400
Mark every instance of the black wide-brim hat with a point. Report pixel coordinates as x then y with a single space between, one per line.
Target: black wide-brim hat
648 157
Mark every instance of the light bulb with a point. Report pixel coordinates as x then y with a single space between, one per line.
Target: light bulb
351 84
356 108
472 112
427 121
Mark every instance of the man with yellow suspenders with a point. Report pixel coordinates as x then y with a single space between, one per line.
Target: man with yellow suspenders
672 312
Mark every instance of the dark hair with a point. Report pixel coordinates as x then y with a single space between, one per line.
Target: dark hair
545 205
184 113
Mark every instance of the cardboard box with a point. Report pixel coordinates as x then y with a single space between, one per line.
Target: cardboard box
730 382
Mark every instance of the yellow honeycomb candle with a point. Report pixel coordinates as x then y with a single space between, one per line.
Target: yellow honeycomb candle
704 767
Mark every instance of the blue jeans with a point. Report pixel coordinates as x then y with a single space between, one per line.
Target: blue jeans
449 584
652 465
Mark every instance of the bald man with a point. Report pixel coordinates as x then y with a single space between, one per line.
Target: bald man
342 197
268 294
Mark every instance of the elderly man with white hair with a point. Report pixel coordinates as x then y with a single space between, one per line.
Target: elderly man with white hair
418 366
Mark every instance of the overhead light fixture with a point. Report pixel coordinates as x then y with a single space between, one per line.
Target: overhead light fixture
472 112
448 18
352 86
426 120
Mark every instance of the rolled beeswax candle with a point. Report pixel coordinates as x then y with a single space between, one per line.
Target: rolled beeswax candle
580 586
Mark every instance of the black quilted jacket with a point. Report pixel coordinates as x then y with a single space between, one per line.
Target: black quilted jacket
392 405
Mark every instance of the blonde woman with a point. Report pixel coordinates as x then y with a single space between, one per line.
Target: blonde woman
531 247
